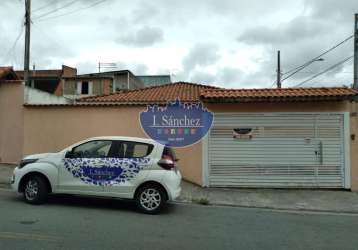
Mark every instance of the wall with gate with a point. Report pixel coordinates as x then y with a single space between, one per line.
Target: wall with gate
341 106
51 128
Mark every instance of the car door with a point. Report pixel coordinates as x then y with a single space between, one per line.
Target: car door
85 169
132 160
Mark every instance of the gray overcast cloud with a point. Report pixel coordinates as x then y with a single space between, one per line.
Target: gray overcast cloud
230 43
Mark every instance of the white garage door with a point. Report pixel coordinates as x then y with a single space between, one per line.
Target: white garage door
276 150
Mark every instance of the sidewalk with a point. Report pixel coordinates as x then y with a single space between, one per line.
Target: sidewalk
283 199
5 174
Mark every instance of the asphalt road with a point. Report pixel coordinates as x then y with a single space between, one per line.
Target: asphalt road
69 222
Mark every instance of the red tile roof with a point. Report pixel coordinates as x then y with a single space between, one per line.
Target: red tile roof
7 73
284 94
186 92
191 92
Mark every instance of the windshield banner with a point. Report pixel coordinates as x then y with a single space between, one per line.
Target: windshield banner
177 124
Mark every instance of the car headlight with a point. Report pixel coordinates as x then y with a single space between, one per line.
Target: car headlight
24 162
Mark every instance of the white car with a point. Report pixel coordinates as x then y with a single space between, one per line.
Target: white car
121 167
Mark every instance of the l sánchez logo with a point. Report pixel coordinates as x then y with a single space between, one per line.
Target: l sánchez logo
177 124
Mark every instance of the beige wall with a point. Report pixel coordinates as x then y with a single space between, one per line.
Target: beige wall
53 128
11 121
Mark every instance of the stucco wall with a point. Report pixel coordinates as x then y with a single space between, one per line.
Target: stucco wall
36 96
53 128
11 121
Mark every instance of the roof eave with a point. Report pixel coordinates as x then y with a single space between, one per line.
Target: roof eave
276 99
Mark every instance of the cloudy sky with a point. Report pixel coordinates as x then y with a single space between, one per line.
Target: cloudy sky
230 43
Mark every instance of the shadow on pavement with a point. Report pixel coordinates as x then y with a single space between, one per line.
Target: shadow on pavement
90 202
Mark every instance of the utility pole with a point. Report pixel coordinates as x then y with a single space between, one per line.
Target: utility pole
27 41
355 64
278 70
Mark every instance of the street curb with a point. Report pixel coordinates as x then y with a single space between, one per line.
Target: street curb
297 210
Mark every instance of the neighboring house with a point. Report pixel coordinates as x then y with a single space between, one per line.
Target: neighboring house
66 82
80 86
48 80
8 74
122 79
154 80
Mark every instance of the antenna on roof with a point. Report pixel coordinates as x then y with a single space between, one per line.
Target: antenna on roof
104 65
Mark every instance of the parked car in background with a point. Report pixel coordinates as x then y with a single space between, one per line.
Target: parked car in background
119 167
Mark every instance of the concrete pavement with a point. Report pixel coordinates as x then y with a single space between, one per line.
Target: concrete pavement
285 199
5 173
70 222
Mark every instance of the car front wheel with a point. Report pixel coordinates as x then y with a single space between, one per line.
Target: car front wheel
35 190
150 199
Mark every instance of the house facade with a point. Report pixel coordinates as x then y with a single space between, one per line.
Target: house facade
298 137
48 80
122 79
81 86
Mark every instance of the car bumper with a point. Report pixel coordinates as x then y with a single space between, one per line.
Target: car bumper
176 193
173 184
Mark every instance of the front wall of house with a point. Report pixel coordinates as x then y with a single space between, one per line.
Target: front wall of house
50 129
11 121
53 128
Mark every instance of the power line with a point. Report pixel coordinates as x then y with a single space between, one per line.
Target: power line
299 68
56 9
11 49
44 6
74 11
324 71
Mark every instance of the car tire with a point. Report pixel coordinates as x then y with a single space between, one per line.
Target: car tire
150 199
35 190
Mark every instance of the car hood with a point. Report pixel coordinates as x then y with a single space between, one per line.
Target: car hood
40 156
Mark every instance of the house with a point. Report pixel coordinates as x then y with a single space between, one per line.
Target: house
65 81
48 80
154 80
301 137
82 85
8 74
122 79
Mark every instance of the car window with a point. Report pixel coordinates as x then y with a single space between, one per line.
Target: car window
92 149
129 149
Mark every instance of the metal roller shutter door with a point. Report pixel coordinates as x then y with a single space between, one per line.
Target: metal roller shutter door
286 150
